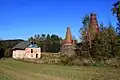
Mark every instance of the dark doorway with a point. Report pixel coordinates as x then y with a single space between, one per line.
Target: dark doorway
31 50
36 55
1 53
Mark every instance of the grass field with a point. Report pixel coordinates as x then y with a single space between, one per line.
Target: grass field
17 70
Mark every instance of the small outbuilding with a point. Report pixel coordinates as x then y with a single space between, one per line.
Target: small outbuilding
26 50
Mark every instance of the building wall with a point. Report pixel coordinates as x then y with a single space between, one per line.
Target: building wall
18 54
31 53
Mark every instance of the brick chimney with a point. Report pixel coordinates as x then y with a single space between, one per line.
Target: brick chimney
68 39
68 47
93 25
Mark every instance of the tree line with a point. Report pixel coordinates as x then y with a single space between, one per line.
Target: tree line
6 47
48 43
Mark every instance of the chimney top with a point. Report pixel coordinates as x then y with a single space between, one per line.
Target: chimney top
68 34
93 22
68 38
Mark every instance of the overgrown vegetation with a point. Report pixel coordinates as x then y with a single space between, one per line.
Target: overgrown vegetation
103 48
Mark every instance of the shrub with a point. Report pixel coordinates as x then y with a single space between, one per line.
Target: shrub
66 60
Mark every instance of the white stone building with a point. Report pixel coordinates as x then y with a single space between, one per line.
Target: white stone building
26 50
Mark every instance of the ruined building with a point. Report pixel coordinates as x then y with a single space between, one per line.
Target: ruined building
67 45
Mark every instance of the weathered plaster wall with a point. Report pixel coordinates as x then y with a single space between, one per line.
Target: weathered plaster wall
20 54
36 53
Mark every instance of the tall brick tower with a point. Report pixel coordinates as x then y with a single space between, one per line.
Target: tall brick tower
67 46
93 25
68 38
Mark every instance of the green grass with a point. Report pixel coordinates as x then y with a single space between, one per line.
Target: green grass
11 69
5 76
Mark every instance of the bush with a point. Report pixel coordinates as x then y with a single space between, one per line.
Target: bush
8 53
113 62
66 60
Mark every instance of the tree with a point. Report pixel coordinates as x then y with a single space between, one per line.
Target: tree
1 52
6 44
85 30
84 47
31 39
55 47
85 27
7 53
116 11
48 36
104 45
48 43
